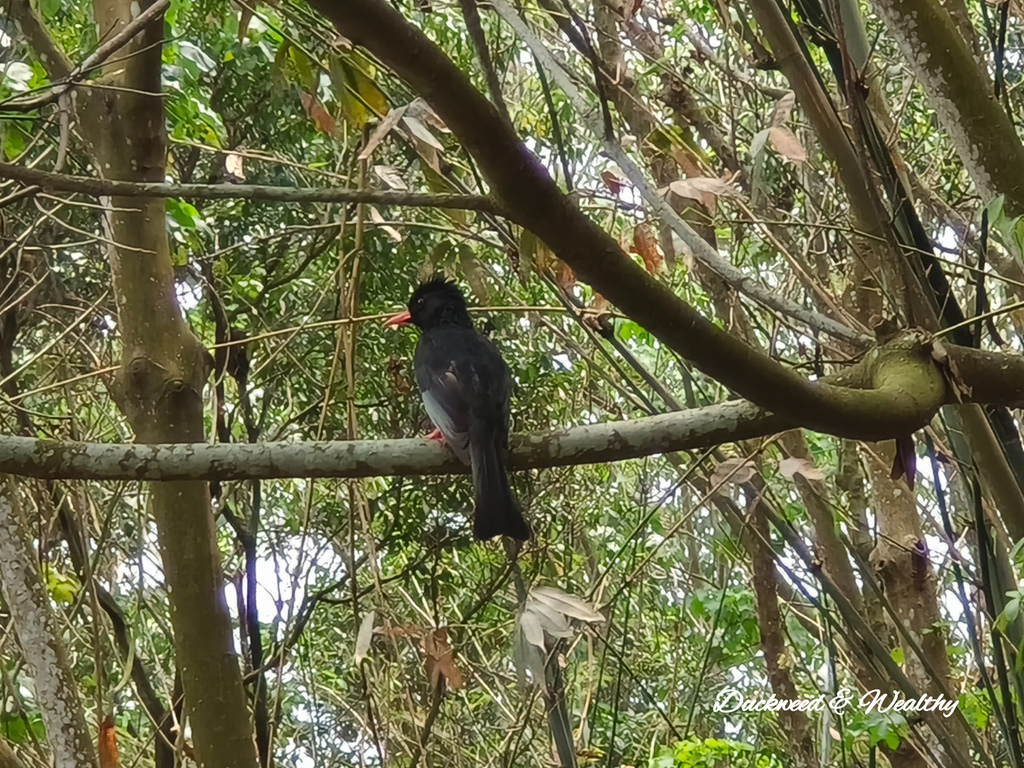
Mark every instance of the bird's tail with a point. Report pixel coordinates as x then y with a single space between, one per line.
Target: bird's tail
497 512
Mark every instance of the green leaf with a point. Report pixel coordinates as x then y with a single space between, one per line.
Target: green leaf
13 727
49 8
279 71
304 69
995 209
13 139
1012 609
360 98
183 214
1015 552
61 588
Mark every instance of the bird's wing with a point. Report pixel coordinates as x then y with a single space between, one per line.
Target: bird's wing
446 400
492 385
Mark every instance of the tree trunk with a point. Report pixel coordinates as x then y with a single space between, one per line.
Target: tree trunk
162 374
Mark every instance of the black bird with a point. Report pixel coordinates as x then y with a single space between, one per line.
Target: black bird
465 386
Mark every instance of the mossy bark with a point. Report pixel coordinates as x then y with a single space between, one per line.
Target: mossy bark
962 96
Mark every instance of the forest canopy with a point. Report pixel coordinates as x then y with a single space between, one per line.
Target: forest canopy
755 269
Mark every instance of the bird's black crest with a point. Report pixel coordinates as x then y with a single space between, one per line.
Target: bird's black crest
436 282
441 285
438 300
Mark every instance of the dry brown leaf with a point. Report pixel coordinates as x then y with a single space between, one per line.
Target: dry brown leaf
687 161
695 188
785 142
377 219
243 22
381 131
400 384
613 181
431 157
599 320
475 274
390 176
108 744
420 131
565 604
234 164
645 243
564 276
440 659
322 119
423 112
950 371
737 470
364 637
410 630
783 109
796 465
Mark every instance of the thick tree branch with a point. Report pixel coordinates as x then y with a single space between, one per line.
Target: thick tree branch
523 186
591 444
894 371
56 182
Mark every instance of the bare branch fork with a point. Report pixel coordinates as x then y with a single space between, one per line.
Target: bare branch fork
56 182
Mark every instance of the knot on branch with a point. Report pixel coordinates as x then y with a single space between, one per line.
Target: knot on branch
905 372
901 565
162 401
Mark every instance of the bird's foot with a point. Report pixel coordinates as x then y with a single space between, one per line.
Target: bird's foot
436 435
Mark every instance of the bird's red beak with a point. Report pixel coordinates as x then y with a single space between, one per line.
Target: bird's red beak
396 320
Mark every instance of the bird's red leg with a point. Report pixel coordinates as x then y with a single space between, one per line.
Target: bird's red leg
436 435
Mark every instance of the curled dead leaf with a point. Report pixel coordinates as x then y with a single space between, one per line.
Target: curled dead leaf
377 219
440 659
737 470
904 462
234 166
108 744
785 142
421 132
423 112
783 109
381 131
645 243
614 181
949 370
797 465
390 176
322 119
696 187
566 604
599 320
364 637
